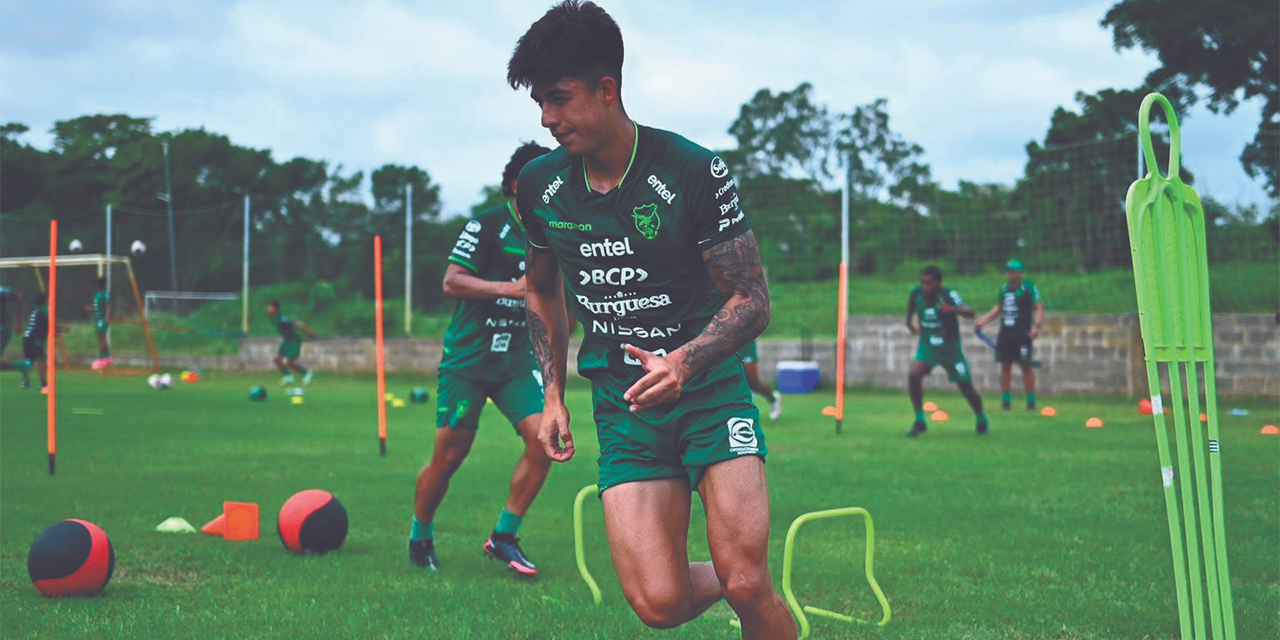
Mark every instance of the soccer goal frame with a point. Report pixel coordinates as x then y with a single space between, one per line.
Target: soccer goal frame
101 262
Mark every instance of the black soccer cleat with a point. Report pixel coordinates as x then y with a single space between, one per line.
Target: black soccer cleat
1031 406
982 427
423 554
1004 405
918 427
505 547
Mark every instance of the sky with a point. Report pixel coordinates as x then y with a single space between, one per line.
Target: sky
363 83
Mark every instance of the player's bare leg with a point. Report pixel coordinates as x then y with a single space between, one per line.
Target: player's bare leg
532 469
735 495
915 389
975 403
648 527
451 448
1006 382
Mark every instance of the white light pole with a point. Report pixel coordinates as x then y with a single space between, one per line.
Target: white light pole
168 201
244 274
408 258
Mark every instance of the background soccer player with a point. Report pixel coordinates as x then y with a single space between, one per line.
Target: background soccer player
1019 328
101 309
666 279
290 350
486 355
936 307
10 310
34 339
751 367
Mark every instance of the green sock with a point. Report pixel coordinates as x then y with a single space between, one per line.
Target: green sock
285 371
919 415
508 523
421 531
1005 398
302 370
982 418
1031 398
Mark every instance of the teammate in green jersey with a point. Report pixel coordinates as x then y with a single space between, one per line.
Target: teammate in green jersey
290 350
101 309
750 357
34 342
1022 314
10 311
936 307
643 230
486 355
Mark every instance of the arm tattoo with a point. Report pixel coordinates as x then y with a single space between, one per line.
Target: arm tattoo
734 267
541 339
543 284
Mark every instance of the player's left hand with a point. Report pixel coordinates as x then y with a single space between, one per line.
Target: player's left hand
663 380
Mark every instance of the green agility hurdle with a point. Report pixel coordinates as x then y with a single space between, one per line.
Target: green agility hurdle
1171 276
788 555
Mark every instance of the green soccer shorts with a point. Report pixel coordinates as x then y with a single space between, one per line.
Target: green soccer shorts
100 326
681 439
748 353
459 401
290 349
6 335
935 351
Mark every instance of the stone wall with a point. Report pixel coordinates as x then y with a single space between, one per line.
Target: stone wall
1080 354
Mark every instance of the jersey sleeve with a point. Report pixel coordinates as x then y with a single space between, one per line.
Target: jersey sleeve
527 190
713 201
473 246
1035 293
955 297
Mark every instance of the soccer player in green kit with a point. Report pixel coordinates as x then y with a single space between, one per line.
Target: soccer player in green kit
643 230
290 350
11 309
1023 313
486 355
750 356
101 312
936 307
34 340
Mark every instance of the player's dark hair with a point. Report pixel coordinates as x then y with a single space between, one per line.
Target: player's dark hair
527 153
574 39
274 303
933 272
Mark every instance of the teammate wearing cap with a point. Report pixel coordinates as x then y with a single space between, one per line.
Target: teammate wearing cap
1022 312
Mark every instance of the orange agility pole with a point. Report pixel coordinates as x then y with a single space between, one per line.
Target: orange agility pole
50 363
379 353
843 315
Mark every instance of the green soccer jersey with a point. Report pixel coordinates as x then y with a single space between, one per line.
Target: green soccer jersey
287 331
632 257
38 325
7 303
100 302
1017 306
936 328
488 340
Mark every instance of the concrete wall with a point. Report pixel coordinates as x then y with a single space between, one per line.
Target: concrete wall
1080 354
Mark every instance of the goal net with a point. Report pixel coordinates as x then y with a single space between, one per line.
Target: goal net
129 334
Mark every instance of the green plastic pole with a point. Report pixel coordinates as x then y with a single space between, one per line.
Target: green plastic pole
579 552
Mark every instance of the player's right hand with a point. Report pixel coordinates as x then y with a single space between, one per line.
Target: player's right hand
553 430
518 288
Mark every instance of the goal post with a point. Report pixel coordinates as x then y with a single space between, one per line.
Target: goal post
77 284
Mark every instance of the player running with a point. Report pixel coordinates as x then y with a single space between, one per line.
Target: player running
750 366
101 312
11 309
1019 328
662 266
486 355
937 307
290 350
34 342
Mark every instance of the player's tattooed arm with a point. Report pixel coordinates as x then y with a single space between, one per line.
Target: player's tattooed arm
549 333
734 267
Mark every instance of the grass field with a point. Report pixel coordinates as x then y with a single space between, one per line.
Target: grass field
1040 530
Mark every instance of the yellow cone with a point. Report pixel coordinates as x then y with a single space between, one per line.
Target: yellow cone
296 400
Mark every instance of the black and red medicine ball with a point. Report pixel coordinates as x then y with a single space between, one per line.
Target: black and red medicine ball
312 521
71 558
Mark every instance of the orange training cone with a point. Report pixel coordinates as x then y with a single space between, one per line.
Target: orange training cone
1094 423
1270 430
930 406
1144 407
1204 417
241 520
216 526
1048 412
939 416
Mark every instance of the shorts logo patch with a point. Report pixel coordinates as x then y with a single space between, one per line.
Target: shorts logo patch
501 343
742 436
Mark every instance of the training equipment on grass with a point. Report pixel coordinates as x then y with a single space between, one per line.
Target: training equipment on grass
51 400
312 521
258 394
1270 430
419 396
175 525
1145 407
939 416
160 382
929 406
238 521
379 353
788 555
1093 423
297 400
1048 412
137 248
1171 276
71 558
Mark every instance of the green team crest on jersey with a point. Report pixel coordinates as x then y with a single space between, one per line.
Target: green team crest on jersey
647 220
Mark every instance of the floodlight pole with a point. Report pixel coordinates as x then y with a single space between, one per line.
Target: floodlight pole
244 274
168 202
408 258
108 245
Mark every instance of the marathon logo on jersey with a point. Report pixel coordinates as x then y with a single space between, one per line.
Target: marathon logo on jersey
609 327
624 307
618 276
742 436
552 189
606 248
571 226
718 168
661 189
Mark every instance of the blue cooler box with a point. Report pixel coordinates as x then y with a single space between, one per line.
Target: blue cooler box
797 376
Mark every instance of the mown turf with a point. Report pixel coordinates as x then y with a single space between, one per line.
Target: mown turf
1041 530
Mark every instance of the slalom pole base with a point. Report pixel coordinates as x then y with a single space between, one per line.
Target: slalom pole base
51 463
382 446
839 426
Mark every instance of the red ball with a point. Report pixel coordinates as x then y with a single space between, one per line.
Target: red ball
71 558
312 521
